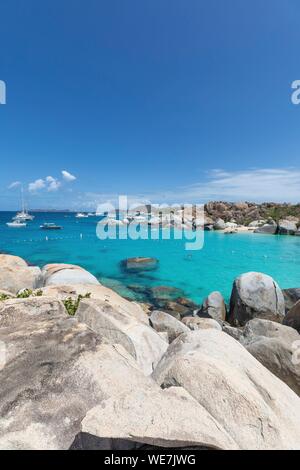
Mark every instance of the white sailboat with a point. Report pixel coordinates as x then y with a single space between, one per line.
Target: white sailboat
23 215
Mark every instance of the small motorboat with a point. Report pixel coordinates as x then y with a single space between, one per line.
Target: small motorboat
81 215
50 226
16 224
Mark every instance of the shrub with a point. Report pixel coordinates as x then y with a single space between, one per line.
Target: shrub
72 305
4 297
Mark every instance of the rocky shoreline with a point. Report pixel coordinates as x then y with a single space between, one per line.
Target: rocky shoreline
243 217
83 368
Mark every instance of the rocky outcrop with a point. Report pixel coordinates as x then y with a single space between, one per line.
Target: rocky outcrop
163 322
214 306
292 318
117 326
255 408
67 274
274 345
15 274
255 295
56 369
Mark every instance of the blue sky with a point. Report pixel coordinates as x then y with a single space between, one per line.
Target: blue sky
179 101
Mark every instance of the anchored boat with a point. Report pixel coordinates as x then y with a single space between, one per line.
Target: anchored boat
16 224
50 226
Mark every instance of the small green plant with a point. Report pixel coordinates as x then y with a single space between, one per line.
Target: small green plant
4 297
72 305
24 294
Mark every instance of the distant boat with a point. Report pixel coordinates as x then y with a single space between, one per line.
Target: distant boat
23 215
81 215
16 224
50 226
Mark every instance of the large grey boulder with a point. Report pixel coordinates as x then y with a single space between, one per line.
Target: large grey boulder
66 274
219 224
257 410
274 345
214 306
166 418
292 318
163 322
15 274
118 326
255 295
269 228
287 227
55 370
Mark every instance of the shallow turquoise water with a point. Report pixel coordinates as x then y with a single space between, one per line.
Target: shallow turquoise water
196 272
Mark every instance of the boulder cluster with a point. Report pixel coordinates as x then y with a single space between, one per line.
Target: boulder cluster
84 368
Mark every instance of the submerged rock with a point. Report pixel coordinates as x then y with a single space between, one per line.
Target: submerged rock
255 295
164 293
139 264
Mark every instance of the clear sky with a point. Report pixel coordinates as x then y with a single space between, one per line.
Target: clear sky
171 100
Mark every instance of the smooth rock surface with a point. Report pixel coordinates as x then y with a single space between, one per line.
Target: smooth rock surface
117 326
257 409
169 418
66 274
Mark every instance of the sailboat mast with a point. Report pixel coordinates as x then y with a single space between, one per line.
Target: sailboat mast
22 199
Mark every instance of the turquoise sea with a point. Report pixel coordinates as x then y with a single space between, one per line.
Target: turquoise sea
197 273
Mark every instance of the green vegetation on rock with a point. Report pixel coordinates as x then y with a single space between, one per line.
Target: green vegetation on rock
72 305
